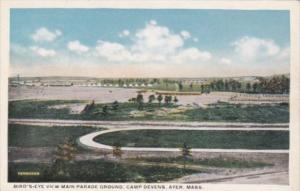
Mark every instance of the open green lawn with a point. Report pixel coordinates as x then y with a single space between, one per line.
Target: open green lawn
43 136
199 139
265 113
219 112
96 171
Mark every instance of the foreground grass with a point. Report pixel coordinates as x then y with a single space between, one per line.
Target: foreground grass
221 162
199 139
219 112
96 171
43 136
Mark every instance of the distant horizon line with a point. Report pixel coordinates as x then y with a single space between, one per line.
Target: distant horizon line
146 77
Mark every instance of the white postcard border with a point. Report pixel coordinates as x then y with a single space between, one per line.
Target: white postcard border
292 6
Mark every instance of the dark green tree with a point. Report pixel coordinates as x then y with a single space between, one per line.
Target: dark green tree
140 101
248 87
168 99
185 153
159 98
105 110
151 98
175 100
180 86
117 150
191 85
115 105
89 107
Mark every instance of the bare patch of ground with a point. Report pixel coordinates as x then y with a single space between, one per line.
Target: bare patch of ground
75 108
108 95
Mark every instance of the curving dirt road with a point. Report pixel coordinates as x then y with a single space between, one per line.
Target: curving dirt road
113 126
88 140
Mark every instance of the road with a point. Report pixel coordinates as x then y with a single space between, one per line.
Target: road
113 126
88 140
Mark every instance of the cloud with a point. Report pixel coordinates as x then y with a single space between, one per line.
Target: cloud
77 47
254 48
153 22
124 33
193 54
284 54
185 34
157 39
152 44
225 61
44 35
154 50
112 51
42 51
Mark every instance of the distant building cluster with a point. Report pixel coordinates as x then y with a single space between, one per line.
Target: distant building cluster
34 83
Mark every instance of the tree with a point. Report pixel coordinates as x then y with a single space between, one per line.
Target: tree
248 87
133 100
255 87
105 110
180 86
175 100
226 85
205 88
185 153
191 85
168 99
140 101
63 155
89 107
115 105
151 98
159 98
219 85
117 150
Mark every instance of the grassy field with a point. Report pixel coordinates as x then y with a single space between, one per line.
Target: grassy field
43 136
212 162
199 139
265 113
96 171
219 112
40 109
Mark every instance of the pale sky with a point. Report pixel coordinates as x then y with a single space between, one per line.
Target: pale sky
148 43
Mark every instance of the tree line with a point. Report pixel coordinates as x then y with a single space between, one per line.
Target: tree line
139 100
274 85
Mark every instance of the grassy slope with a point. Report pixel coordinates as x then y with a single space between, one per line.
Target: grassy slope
41 136
221 112
199 139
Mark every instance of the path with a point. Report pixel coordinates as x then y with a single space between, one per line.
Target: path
113 126
88 140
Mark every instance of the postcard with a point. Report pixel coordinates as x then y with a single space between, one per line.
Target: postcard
150 95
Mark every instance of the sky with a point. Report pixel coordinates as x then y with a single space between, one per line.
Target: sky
149 42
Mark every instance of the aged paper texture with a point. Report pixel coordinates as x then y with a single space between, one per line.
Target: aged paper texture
150 95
